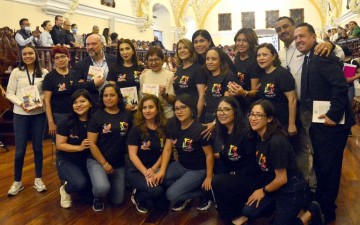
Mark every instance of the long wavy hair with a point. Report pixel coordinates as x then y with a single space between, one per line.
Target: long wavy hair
240 128
37 67
160 119
134 59
74 122
207 36
274 126
252 39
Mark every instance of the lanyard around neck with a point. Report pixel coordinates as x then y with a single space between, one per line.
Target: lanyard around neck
28 75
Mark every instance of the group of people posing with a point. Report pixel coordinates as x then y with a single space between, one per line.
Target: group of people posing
236 133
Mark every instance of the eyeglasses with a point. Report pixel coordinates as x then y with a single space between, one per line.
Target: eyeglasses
256 116
154 60
223 110
180 109
60 57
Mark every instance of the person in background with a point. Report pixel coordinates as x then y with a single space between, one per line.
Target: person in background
58 33
45 37
350 80
79 39
69 37
106 35
27 121
145 143
72 147
355 29
114 39
157 43
24 36
194 168
107 132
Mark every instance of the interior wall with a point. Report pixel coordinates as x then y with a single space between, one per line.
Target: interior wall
236 7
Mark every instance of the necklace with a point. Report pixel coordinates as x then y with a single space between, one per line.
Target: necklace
288 62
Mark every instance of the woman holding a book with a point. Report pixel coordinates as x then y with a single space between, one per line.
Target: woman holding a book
24 90
127 69
158 81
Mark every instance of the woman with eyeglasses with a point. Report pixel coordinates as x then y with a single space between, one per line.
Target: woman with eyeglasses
278 86
157 75
107 132
283 185
72 147
58 87
127 69
194 169
188 77
26 120
240 178
247 70
145 143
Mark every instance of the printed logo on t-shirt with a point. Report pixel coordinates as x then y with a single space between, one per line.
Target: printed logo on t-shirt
74 136
270 90
145 145
62 87
121 77
187 145
123 128
241 77
262 161
184 81
233 153
216 90
106 128
136 76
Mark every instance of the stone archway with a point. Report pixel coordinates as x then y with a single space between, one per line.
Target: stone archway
162 24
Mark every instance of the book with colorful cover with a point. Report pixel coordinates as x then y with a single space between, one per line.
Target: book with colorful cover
130 94
95 71
349 70
31 97
151 89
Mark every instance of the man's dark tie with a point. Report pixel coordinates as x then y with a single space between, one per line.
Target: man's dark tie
304 79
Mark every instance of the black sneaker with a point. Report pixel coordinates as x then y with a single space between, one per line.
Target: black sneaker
316 215
204 204
141 208
180 205
98 205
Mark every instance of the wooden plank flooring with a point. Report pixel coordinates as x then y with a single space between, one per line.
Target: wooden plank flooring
30 207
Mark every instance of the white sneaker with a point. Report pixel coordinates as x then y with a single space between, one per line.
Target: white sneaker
65 198
39 185
15 188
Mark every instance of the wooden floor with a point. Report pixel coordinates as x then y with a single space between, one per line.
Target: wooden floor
30 207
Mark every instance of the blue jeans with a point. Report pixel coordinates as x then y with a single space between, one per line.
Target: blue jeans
184 183
75 174
23 126
104 184
288 201
143 192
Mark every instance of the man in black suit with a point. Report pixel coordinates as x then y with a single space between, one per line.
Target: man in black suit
96 58
58 33
322 79
158 43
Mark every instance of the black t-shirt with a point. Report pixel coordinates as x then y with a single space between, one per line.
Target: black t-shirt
149 145
76 135
216 87
130 74
187 79
272 88
189 143
246 70
112 131
275 153
62 87
239 154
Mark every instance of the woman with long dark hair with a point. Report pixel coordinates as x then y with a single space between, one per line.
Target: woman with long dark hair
194 169
145 143
27 121
72 147
107 132
240 177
